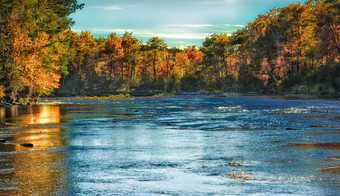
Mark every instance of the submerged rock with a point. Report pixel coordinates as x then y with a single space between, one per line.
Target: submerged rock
334 157
289 128
27 145
239 176
332 169
335 118
325 126
167 124
132 110
2 141
330 145
233 164
322 111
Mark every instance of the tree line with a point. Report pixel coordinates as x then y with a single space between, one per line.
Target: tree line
293 48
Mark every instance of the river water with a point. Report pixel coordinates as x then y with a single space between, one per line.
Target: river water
172 146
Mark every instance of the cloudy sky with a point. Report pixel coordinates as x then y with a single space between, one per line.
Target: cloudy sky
178 22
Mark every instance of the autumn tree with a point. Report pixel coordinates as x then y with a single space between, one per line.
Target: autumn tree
154 56
296 45
288 46
131 46
328 28
215 57
33 46
155 47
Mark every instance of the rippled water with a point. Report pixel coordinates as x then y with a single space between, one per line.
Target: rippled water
173 146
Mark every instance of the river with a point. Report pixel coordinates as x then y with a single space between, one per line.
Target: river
186 145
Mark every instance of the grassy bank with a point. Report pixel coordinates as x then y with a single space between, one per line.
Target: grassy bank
90 98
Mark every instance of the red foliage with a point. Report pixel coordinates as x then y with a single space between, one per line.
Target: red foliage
264 71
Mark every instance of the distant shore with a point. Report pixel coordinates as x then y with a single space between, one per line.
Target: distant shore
46 100
194 94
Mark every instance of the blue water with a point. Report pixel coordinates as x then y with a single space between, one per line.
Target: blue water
172 146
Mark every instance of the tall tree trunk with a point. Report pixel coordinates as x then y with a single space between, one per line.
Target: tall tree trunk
2 46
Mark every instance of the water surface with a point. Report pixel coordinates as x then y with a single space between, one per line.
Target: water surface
172 146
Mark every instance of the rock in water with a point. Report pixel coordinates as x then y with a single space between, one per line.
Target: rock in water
2 141
26 145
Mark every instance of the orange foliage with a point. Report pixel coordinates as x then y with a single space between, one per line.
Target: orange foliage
281 68
234 68
194 54
28 55
264 71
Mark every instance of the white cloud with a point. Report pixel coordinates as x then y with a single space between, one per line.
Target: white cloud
111 7
216 2
180 36
113 30
136 32
183 46
188 25
237 25
149 33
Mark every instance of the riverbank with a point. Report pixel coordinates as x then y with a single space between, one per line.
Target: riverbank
287 95
207 94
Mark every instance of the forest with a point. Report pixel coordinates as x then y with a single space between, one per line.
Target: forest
290 49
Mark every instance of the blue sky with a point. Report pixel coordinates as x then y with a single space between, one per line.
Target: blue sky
179 22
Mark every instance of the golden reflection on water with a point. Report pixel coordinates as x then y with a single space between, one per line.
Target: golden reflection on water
42 139
38 170
2 112
31 115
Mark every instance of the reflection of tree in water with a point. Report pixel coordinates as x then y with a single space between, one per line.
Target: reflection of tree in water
31 115
37 170
2 112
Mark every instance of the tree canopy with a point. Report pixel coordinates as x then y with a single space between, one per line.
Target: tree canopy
293 48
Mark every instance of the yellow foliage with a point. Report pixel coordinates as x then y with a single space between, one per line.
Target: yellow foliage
2 91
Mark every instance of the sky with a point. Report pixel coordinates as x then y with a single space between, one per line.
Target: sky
179 22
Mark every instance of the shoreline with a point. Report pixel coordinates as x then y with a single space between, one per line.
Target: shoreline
292 96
